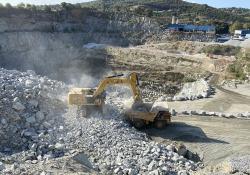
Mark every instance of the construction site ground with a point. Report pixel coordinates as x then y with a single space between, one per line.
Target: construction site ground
223 100
163 69
215 139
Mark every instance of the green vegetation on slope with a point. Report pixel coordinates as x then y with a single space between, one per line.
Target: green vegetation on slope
163 10
224 19
241 67
224 50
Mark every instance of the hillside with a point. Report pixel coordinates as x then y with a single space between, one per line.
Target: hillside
163 10
160 11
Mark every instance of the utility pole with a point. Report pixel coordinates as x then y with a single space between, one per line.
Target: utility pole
177 10
177 2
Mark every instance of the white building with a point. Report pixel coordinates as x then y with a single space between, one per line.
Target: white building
241 34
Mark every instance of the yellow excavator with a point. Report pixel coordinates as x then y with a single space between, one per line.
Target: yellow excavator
140 114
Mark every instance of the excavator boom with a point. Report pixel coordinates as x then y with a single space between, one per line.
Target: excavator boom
131 81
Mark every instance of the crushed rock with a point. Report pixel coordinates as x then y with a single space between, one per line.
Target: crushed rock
30 106
193 91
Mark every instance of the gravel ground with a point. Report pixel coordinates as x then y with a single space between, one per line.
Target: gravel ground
237 43
223 144
37 128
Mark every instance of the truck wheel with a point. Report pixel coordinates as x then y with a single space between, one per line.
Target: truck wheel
138 123
160 124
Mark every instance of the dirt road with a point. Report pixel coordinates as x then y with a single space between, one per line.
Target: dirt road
214 139
223 100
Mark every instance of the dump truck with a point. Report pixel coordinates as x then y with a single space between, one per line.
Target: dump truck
140 114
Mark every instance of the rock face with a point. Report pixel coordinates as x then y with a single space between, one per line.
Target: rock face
116 29
193 91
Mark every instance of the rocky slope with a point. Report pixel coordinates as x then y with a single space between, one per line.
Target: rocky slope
95 26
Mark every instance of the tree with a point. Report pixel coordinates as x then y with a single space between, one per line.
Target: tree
64 5
78 6
1 5
21 5
149 12
67 6
28 6
235 26
47 8
246 25
104 5
8 5
221 27
33 8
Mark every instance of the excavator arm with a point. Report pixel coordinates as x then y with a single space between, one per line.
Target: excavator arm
131 81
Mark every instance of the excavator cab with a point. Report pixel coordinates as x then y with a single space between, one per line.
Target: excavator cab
84 96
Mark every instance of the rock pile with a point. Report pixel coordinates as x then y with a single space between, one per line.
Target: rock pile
239 164
113 147
243 115
152 91
29 107
33 122
193 91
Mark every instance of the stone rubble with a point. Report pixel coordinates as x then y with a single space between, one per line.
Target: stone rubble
244 115
30 106
153 91
37 129
113 146
194 91
237 165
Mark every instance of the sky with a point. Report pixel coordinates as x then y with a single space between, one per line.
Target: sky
224 3
41 2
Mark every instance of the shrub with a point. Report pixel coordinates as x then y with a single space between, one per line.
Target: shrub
244 55
221 50
237 69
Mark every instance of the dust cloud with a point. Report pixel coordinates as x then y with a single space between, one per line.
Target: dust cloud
59 57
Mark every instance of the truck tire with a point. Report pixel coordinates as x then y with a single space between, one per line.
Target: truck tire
138 123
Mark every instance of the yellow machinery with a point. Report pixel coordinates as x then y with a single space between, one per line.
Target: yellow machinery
140 114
